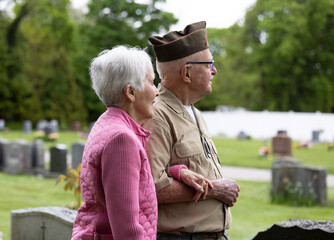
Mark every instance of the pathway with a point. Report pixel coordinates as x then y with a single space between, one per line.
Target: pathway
254 174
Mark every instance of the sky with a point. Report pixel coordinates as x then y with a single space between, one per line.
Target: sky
217 13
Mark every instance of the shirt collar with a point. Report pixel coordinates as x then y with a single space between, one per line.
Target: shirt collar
170 99
131 124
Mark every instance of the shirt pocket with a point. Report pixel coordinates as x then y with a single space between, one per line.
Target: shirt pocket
183 152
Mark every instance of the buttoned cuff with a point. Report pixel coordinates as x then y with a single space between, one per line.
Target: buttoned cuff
175 171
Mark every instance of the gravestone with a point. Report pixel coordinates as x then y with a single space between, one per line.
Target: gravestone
47 223
38 153
58 159
298 229
291 180
75 126
41 125
315 136
77 152
54 126
27 126
4 150
2 124
242 135
281 144
18 157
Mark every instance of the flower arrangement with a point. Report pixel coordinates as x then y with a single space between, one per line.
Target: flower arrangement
265 152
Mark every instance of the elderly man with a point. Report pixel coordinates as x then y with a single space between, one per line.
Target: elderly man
180 138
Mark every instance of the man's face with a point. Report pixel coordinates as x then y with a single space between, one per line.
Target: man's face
202 74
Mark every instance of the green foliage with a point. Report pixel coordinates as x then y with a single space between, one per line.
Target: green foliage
295 195
280 58
110 23
72 182
291 42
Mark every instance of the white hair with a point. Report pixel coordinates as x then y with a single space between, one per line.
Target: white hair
113 69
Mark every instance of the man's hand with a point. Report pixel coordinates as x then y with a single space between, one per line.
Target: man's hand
225 190
196 181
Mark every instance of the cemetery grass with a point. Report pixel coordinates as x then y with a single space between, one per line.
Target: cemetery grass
245 153
252 213
24 191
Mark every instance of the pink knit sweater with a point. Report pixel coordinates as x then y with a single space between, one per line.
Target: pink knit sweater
116 182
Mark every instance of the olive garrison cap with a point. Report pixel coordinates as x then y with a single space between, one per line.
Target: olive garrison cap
179 44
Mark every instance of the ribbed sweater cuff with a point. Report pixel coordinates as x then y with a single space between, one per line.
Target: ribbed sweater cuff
175 171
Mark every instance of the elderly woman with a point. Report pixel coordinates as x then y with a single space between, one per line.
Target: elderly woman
116 182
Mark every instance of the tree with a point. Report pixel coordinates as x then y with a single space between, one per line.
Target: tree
48 33
109 23
292 42
16 92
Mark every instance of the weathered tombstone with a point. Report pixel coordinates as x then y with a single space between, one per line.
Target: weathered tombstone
298 184
58 159
281 144
47 130
27 126
4 149
47 223
315 136
38 152
41 125
75 126
54 126
242 135
18 157
77 152
26 151
298 229
2 124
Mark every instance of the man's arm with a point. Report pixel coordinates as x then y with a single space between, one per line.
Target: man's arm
224 190
175 193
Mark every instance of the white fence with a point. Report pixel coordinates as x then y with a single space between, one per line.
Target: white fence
264 125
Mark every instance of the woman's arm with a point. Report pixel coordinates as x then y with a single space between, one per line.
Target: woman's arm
121 166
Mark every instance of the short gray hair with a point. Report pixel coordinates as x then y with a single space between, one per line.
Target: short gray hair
113 69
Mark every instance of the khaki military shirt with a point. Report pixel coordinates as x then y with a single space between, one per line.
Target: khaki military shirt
177 139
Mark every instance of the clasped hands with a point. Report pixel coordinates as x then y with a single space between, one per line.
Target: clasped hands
224 189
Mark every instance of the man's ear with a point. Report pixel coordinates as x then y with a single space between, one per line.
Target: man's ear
186 73
129 93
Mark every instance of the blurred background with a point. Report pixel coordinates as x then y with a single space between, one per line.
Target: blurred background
276 56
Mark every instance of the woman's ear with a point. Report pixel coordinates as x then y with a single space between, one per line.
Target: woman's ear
129 93
186 73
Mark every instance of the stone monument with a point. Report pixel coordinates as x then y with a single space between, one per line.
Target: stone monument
298 229
47 223
281 144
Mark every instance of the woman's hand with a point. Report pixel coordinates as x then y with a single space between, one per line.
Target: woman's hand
196 181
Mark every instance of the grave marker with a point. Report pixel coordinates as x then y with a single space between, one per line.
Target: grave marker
58 159
77 152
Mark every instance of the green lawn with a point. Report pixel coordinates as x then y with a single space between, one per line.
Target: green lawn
17 192
244 153
252 213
